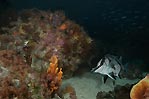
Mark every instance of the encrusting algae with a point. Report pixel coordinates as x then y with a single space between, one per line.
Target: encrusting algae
54 75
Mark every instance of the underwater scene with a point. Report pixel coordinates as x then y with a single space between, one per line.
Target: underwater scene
74 49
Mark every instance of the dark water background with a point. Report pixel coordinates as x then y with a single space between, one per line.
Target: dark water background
117 24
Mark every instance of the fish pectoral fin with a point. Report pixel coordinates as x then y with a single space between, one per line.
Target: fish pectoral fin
105 78
112 76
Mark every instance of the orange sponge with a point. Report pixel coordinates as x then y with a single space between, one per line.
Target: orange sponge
141 89
54 75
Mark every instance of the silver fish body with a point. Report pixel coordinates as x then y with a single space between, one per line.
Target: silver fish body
109 66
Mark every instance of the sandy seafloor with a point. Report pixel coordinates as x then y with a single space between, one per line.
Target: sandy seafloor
89 84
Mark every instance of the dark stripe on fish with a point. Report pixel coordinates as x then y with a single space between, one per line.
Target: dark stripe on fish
102 61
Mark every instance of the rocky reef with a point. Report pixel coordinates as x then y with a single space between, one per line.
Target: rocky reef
26 45
37 35
119 92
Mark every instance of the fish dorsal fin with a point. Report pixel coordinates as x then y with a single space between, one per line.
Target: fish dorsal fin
100 63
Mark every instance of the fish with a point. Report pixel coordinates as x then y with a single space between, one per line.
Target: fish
109 66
